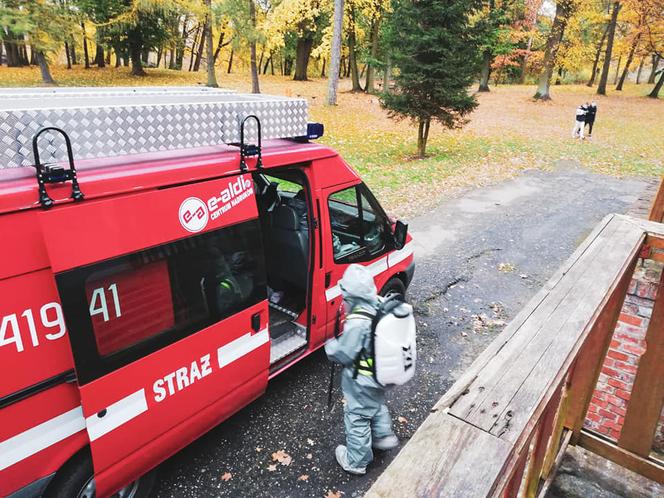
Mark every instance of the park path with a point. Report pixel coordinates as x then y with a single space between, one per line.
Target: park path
480 257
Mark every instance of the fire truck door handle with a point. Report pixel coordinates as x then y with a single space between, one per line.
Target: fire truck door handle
328 278
256 322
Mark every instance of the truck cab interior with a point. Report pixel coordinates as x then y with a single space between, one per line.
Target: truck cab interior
283 207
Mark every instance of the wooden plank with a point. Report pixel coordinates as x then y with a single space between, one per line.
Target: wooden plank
556 435
541 444
657 208
645 404
503 338
652 227
649 468
588 364
514 485
551 475
512 352
511 401
442 459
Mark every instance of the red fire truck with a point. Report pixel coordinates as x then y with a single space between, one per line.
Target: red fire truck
152 288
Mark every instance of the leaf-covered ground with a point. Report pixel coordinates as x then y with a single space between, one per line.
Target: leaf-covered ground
508 132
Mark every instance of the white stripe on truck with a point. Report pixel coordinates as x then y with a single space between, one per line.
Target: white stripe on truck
241 346
40 437
117 414
377 267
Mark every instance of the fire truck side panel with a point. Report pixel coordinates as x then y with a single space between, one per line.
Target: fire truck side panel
23 248
80 234
129 411
38 435
33 343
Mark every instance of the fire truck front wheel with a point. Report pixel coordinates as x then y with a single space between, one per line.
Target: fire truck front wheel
393 286
76 479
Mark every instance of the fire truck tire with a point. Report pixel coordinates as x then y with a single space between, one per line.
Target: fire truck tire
393 286
75 480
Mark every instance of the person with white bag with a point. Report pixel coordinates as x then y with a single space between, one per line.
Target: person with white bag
376 349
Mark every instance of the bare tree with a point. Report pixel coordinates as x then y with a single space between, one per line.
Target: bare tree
335 54
209 54
564 9
601 87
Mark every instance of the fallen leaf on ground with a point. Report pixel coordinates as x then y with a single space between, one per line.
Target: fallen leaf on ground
259 449
310 442
227 476
282 457
309 456
333 494
402 420
303 477
272 467
506 267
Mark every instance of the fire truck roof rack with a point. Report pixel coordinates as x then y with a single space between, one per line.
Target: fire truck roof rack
105 122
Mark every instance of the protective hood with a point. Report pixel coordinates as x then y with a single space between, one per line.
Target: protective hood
357 286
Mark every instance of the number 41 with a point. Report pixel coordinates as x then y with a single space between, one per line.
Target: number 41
98 304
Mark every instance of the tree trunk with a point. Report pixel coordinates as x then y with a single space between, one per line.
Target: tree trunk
485 73
598 53
422 137
135 39
524 61
68 54
107 59
86 54
209 55
171 61
387 76
201 45
352 60
560 76
74 62
630 57
563 11
220 45
335 53
99 56
255 87
33 54
230 62
288 66
323 68
601 88
267 64
181 45
302 54
370 86
615 78
638 72
44 69
655 62
655 91
193 48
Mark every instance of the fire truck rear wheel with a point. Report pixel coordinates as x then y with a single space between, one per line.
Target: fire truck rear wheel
75 479
393 286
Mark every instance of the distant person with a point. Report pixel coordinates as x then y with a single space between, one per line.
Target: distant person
590 117
580 121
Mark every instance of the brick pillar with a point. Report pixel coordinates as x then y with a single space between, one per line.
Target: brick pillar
606 413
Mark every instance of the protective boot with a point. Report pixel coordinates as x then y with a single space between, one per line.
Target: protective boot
385 443
342 459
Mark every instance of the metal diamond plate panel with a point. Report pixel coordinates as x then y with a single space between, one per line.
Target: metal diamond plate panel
183 120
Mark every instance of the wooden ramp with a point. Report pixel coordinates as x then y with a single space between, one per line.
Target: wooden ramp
504 425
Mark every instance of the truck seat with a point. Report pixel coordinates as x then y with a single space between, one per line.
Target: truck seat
288 247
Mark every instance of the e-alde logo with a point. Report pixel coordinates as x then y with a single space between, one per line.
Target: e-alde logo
195 214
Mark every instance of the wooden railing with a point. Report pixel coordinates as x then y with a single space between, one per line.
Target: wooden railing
657 209
503 427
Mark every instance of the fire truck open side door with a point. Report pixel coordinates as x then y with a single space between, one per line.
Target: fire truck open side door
164 298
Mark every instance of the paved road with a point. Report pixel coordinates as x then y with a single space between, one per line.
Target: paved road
480 257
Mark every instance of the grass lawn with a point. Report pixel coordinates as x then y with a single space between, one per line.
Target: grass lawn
507 133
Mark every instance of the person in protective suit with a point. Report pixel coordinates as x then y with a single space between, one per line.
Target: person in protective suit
366 417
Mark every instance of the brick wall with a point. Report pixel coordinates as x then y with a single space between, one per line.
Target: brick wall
606 413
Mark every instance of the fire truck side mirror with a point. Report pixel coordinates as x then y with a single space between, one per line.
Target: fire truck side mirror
400 233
